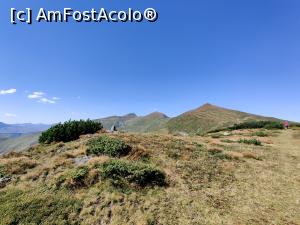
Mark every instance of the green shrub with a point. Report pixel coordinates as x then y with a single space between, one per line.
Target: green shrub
258 125
72 179
139 173
105 145
76 178
2 171
79 174
260 134
69 131
252 125
250 141
227 141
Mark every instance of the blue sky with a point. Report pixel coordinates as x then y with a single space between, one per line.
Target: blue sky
238 54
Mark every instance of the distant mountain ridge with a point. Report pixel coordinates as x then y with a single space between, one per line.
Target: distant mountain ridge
117 121
154 122
200 120
19 142
17 137
22 128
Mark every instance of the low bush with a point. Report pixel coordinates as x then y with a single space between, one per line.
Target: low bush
260 134
105 145
250 141
227 141
139 173
2 171
79 174
69 131
76 178
252 125
257 125
219 154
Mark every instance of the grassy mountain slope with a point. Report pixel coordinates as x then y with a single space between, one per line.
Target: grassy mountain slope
154 122
118 121
6 136
209 117
19 143
211 180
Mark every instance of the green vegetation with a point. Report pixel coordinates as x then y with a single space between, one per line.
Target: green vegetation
250 141
227 141
182 180
2 171
139 173
69 131
252 125
257 125
105 145
260 134
79 174
219 154
208 118
28 207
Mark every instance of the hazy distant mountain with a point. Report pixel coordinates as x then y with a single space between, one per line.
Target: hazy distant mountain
17 137
154 122
118 121
209 117
22 128
18 143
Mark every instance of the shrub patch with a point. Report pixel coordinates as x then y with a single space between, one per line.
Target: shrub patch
69 131
139 173
105 145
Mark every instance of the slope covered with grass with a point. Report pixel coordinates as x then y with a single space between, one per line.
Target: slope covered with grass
161 179
209 117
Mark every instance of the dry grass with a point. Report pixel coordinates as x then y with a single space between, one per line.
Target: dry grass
210 182
18 165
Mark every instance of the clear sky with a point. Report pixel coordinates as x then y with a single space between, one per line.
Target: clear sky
238 54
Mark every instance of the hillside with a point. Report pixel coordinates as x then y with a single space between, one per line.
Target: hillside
210 180
209 117
18 143
118 121
154 122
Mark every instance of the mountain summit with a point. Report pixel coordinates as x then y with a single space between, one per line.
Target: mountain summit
209 117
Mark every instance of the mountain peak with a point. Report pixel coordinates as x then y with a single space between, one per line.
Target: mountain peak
130 115
157 115
206 107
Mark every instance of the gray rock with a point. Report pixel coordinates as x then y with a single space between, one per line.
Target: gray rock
4 181
81 160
